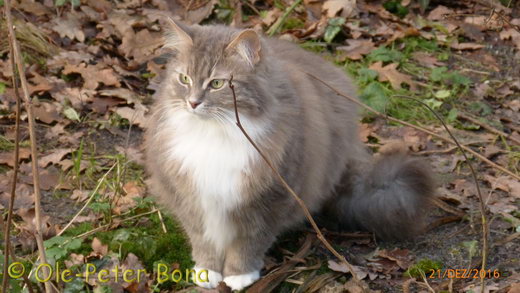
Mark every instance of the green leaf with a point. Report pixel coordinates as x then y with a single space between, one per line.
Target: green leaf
442 94
433 103
452 115
367 75
60 2
55 241
385 55
2 86
438 74
333 28
374 95
75 3
70 113
472 247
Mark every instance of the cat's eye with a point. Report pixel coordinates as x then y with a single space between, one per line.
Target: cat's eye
183 78
217 83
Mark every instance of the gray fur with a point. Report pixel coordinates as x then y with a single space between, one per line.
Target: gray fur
312 139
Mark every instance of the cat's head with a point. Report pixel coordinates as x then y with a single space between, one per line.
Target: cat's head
204 58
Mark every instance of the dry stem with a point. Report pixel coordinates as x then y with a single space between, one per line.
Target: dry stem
7 231
294 195
30 117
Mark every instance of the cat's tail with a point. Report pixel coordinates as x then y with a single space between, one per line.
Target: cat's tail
389 199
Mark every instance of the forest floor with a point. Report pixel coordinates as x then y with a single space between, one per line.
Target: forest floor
91 65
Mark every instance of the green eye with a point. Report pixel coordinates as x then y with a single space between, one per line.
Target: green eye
183 78
217 83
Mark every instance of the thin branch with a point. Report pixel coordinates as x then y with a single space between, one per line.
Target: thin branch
489 128
453 140
30 117
7 243
294 195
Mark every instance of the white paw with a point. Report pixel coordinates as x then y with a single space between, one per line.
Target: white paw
239 282
206 278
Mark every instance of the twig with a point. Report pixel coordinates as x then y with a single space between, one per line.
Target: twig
453 140
30 117
163 226
291 191
488 127
276 26
7 244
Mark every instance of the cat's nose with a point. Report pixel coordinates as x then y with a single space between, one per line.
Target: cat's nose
194 104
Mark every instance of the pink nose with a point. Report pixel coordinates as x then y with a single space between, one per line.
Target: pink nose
195 104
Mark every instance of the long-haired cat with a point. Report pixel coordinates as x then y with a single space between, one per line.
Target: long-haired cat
208 175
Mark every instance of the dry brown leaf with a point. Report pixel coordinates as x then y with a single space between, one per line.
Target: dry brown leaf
53 158
24 196
80 195
135 116
98 249
141 45
343 8
32 7
426 59
69 26
94 75
511 34
401 257
7 158
391 74
504 183
342 268
356 49
47 112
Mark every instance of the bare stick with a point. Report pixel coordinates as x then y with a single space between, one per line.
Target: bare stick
30 117
445 139
294 195
7 243
453 140
489 128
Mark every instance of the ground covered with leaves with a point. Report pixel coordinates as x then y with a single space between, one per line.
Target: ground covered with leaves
92 65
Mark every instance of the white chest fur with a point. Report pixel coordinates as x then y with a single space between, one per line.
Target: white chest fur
216 156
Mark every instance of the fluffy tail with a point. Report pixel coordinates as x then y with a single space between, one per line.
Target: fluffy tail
389 199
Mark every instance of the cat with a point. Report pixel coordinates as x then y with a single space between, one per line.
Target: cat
203 169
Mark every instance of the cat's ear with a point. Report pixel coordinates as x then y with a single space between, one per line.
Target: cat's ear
247 45
176 36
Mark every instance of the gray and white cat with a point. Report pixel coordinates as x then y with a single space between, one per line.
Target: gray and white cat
207 174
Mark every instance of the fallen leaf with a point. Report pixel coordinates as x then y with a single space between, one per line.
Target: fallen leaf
134 116
47 112
69 26
343 8
53 158
342 268
7 158
391 74
356 49
98 248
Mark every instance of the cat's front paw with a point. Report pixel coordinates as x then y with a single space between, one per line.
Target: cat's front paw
239 282
206 278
